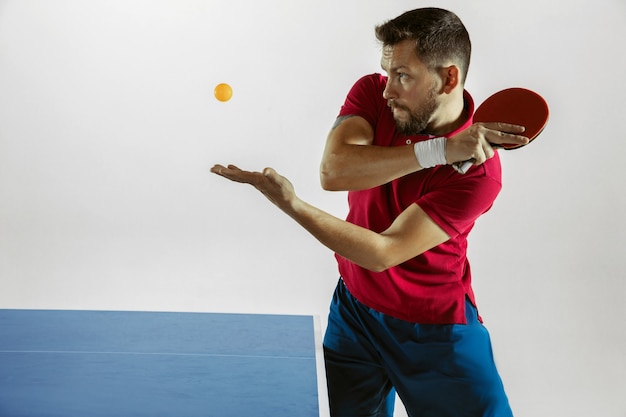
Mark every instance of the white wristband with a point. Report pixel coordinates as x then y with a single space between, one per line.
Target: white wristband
431 152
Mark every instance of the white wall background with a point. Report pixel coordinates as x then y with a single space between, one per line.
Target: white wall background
108 127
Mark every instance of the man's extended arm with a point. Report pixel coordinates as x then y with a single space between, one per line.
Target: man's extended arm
411 234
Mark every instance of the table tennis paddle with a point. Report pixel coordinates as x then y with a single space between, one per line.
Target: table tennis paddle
517 106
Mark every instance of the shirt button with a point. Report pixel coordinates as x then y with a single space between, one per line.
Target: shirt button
408 141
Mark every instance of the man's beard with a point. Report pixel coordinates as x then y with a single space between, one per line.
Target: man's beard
418 118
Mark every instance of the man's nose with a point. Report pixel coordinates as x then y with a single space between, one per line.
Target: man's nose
389 92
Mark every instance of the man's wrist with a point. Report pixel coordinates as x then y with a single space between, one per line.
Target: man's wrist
431 152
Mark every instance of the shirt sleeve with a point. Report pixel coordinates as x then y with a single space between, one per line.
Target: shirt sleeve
365 98
456 204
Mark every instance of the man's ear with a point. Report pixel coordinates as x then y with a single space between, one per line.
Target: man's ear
450 78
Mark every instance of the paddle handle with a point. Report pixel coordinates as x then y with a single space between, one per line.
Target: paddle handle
463 167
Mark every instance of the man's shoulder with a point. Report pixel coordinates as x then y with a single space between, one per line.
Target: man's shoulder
374 79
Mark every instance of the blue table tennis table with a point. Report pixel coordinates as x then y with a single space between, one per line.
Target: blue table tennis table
77 363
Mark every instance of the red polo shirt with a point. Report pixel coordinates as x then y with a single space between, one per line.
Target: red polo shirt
430 288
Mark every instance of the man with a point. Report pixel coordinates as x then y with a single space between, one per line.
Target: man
403 317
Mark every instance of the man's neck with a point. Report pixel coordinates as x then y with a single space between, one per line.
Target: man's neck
453 114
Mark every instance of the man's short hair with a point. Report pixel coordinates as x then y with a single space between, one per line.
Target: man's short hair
439 37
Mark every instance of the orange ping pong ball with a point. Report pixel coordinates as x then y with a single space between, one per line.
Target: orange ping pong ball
223 92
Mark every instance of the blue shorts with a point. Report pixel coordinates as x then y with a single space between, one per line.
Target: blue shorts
437 370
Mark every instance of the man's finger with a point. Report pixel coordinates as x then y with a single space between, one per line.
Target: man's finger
504 127
499 137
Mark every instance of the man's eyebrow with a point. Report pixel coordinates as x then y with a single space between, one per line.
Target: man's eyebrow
394 69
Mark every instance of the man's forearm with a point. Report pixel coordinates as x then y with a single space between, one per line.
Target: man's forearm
359 245
358 167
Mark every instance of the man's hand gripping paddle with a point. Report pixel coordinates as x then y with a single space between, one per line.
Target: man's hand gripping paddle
517 106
